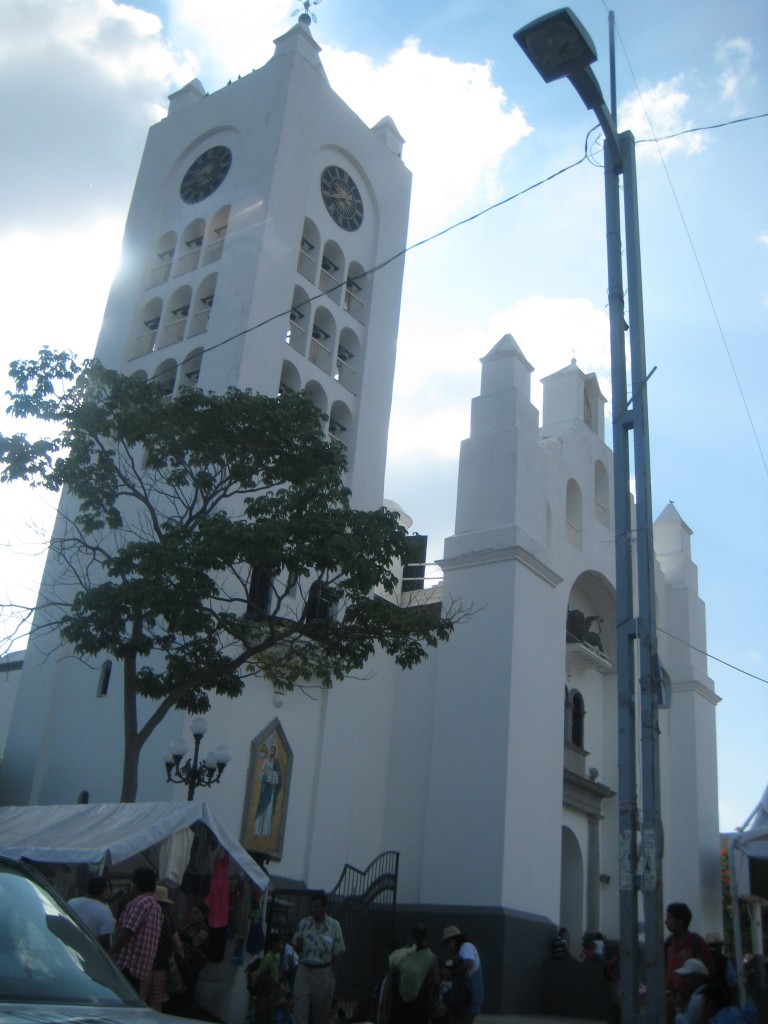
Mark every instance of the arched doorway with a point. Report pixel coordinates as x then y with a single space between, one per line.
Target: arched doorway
572 888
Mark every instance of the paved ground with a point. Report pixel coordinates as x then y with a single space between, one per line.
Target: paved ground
530 1019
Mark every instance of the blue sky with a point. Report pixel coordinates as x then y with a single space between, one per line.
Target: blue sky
84 80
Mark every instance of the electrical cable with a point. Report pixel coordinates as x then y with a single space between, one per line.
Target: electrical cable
401 253
697 261
706 654
588 157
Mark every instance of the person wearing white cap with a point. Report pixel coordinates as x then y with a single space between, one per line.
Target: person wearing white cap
693 979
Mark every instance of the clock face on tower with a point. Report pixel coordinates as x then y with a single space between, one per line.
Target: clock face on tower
205 174
342 198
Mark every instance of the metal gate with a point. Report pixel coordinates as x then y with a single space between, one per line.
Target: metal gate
363 902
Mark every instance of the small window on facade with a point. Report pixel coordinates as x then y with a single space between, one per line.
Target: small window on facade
104 676
577 720
83 796
318 606
601 493
567 717
573 514
259 594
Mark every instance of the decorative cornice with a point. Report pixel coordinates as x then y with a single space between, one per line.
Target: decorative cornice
582 794
694 686
514 553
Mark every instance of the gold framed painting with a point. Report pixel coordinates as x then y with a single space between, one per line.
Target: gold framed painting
266 794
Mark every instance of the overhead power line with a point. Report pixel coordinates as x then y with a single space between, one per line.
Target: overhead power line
706 654
453 227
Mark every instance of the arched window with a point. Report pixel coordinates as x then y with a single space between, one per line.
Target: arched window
577 719
317 396
201 311
357 293
190 369
322 343
166 375
339 424
573 514
299 319
175 317
347 360
217 232
602 493
308 251
161 260
190 248
332 272
290 381
149 323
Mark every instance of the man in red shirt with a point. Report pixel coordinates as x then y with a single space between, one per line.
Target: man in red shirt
138 930
682 945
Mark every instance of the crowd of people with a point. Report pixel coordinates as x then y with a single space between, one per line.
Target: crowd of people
700 981
293 982
159 955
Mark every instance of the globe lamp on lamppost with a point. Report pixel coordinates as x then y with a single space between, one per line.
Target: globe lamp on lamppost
194 773
558 46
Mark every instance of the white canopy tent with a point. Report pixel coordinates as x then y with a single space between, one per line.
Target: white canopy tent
748 844
109 834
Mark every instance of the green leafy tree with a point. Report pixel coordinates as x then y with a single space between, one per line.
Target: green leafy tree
204 539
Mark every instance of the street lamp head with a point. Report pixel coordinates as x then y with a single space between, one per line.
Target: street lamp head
178 749
557 45
199 727
223 756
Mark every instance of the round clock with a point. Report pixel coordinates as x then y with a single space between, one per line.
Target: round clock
205 174
342 198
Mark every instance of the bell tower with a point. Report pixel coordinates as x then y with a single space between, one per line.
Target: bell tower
259 217
259 221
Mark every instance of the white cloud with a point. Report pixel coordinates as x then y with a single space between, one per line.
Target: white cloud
66 312
658 112
90 76
229 37
736 77
455 121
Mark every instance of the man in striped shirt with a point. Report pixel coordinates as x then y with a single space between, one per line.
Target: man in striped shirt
138 930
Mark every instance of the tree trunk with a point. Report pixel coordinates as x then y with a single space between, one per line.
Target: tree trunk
132 744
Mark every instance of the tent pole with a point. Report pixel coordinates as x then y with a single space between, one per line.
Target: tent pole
738 945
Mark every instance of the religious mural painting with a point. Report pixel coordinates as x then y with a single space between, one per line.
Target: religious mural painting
266 795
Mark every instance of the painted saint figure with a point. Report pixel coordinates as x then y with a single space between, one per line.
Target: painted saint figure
271 781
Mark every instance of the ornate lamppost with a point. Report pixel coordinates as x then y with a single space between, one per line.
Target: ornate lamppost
193 773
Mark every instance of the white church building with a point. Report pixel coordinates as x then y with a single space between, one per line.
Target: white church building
492 767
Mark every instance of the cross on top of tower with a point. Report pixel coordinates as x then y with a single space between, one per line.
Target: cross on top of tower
307 15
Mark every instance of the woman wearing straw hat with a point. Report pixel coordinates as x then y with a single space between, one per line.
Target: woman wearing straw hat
465 999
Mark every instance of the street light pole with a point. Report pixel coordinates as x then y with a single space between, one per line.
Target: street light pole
559 47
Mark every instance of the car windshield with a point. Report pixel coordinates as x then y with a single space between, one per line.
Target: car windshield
46 956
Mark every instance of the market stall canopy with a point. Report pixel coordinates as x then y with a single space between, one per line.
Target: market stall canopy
91 833
751 841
